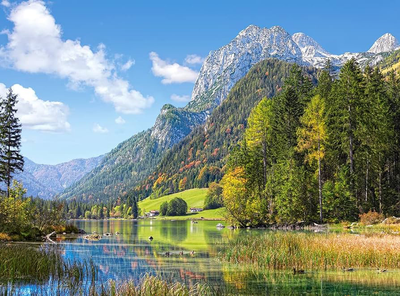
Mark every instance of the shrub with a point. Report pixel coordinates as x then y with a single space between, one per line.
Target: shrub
4 237
164 208
177 207
391 220
371 218
214 197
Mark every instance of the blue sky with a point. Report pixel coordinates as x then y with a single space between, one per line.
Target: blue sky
81 65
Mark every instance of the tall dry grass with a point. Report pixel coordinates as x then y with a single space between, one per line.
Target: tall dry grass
279 250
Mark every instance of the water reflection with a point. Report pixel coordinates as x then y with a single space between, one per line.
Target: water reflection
180 250
130 255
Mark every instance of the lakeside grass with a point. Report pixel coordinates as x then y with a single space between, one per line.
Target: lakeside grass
31 263
194 199
287 250
151 285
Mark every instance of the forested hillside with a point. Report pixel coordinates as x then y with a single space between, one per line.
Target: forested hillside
134 159
200 158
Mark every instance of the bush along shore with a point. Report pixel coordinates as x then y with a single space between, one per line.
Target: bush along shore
26 219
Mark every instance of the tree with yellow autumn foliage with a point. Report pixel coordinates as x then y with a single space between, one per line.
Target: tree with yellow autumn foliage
312 136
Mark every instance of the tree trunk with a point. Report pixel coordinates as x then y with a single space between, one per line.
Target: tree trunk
380 191
8 177
366 182
351 156
319 181
265 163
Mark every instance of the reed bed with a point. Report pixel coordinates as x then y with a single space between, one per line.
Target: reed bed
151 285
287 250
148 286
30 263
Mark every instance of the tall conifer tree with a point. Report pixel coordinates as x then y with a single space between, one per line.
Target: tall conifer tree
11 160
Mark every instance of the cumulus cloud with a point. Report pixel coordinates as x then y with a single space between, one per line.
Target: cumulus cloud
119 120
180 99
37 114
171 73
127 65
194 59
5 3
97 128
35 45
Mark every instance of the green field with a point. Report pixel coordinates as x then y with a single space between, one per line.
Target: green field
193 197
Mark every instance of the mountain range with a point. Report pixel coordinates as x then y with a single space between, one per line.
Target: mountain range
138 157
46 181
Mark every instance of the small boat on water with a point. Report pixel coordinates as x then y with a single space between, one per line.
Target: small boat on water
219 225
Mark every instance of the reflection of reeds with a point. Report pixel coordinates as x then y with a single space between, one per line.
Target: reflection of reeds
276 250
360 282
38 263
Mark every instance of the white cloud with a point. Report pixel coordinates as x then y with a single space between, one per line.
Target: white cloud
120 120
194 59
35 45
127 65
180 99
37 114
172 73
6 3
97 128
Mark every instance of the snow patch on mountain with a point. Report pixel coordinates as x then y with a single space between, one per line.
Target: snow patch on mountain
385 43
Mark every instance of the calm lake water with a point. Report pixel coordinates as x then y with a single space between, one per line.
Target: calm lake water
130 255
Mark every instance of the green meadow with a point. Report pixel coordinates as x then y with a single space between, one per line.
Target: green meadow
193 197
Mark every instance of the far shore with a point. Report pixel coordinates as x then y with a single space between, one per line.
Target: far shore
168 218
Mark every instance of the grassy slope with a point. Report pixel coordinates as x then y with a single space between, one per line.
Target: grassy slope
395 67
193 197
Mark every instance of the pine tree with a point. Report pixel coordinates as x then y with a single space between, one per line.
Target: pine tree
135 210
347 95
11 160
375 132
288 108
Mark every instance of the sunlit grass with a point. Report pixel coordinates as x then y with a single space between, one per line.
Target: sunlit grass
277 250
151 285
194 199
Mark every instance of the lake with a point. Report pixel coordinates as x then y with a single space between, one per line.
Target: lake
193 258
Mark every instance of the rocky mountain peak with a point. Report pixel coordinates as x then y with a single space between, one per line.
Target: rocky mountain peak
308 46
225 66
385 43
249 31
